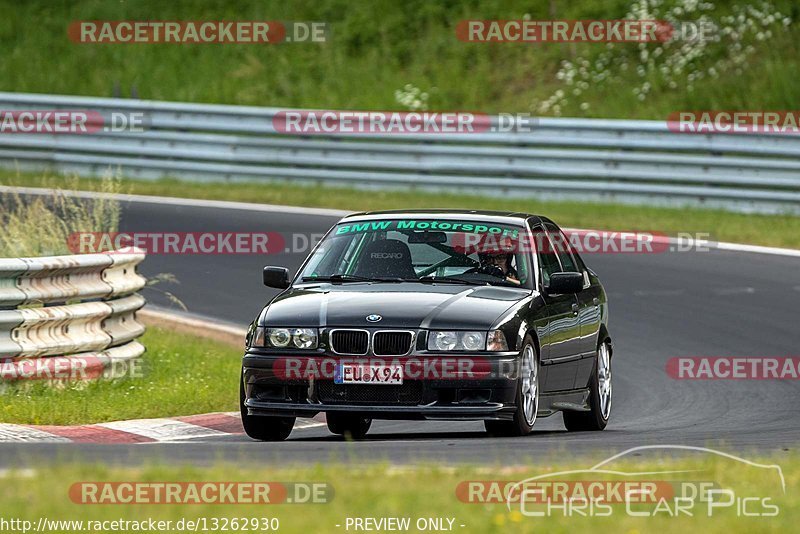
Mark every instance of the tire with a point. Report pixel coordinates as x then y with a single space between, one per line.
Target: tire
348 425
261 427
599 396
527 399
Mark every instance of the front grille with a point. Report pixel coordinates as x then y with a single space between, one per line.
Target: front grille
392 343
407 394
349 341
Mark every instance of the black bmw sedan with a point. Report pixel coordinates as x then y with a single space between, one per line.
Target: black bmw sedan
436 315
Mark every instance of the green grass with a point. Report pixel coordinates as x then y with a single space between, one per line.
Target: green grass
770 230
425 491
375 48
181 375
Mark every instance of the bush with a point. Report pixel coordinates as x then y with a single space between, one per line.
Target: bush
41 225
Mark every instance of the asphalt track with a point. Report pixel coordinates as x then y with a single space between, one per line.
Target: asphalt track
700 303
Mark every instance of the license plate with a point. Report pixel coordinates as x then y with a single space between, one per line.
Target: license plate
373 373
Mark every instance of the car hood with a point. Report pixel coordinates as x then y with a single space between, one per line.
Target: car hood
399 305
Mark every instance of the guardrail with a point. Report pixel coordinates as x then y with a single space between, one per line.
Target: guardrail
68 308
588 159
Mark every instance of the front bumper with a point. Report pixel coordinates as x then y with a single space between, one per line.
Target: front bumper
489 394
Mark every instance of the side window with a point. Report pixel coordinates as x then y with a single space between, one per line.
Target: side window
562 249
548 261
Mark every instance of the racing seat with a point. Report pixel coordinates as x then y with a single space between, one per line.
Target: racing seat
387 258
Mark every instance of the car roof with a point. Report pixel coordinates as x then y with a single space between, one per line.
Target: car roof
508 217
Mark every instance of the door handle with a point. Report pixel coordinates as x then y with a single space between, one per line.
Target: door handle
575 309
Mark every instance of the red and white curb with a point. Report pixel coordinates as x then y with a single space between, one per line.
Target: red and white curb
173 429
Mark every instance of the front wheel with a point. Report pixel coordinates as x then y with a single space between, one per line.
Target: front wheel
348 425
264 428
599 396
527 397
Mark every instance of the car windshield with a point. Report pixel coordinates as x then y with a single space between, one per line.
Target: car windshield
424 251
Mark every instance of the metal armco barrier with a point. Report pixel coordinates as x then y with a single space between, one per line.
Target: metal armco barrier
64 307
560 158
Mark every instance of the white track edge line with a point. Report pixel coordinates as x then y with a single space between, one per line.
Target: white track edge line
176 201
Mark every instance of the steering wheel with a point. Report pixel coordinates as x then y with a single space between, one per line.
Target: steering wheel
452 261
489 269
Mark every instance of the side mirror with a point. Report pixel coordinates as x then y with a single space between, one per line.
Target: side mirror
277 277
565 283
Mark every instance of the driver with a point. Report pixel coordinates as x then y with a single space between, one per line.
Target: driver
498 263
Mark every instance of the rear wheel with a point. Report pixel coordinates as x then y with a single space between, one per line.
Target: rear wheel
527 397
348 425
261 427
599 396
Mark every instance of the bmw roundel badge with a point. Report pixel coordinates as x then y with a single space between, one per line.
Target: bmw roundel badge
374 318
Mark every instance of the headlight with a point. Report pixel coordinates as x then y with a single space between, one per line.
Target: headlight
473 340
304 338
279 337
442 341
496 341
450 340
301 338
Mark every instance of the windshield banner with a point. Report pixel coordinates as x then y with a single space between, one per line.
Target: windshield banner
442 226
